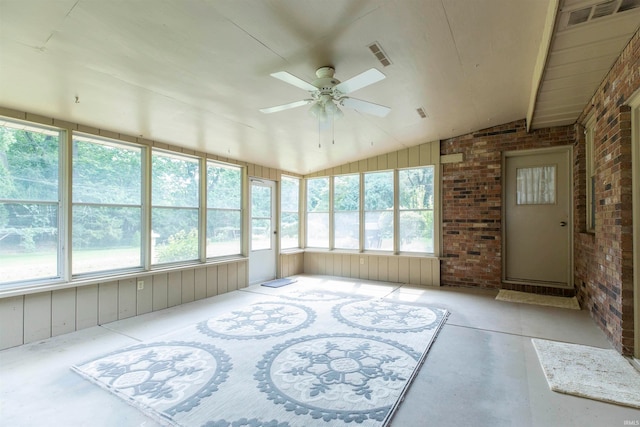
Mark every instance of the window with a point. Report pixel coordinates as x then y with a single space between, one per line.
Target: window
289 213
261 215
378 210
536 185
174 210
224 214
29 202
590 174
318 212
346 211
415 188
107 205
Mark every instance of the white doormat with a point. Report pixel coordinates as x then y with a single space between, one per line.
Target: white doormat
527 298
594 373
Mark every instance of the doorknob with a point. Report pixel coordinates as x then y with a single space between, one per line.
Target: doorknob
563 223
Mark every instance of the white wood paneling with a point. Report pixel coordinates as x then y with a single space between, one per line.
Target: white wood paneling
37 317
383 268
232 277
223 286
373 267
394 267
127 304
160 291
212 281
363 270
403 270
63 311
144 296
414 271
200 283
188 286
174 288
346 265
107 302
86 306
11 313
242 275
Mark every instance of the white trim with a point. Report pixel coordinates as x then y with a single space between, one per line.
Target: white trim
634 103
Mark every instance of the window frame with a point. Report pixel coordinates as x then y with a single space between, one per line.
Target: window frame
326 213
335 210
394 211
205 192
92 139
298 183
399 210
61 266
590 174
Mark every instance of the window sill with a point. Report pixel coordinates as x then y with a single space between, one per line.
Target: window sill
18 289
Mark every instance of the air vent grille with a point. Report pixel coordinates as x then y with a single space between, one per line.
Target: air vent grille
600 10
422 113
379 54
604 9
579 16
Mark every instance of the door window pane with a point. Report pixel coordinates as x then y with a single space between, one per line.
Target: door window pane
107 205
536 185
261 209
29 202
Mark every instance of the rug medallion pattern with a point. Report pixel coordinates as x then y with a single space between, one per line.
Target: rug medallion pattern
307 358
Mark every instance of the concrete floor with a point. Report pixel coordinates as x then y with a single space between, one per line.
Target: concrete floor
481 371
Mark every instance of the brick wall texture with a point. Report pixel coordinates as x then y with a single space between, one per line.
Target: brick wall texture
603 261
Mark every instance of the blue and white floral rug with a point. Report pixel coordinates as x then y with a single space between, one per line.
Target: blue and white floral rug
307 358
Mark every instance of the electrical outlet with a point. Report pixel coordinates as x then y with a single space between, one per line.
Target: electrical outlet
140 285
361 261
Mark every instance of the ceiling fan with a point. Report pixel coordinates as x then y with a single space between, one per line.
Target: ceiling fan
327 93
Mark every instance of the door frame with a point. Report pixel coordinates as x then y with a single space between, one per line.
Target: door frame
568 149
275 222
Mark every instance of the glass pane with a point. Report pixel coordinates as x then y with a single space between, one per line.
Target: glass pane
416 188
106 173
260 234
318 195
28 241
378 191
289 230
223 233
174 180
318 230
260 201
105 238
378 230
174 235
290 189
536 186
224 186
416 231
346 193
347 230
29 164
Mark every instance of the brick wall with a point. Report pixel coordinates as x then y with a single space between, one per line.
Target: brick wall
472 201
604 260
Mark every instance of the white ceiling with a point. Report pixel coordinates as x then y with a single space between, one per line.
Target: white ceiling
194 73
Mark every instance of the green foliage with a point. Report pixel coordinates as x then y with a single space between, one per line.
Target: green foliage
180 246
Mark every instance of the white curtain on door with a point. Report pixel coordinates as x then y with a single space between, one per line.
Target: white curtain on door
536 186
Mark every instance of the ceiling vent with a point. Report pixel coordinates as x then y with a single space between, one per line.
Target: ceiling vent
421 112
379 54
596 11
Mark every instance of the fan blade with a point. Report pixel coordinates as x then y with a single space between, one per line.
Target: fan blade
365 107
286 106
295 81
366 78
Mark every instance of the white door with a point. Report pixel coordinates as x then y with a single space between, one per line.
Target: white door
537 240
262 250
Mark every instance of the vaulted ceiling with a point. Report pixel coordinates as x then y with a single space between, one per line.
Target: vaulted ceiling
195 73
